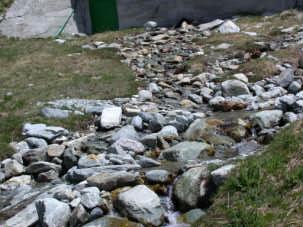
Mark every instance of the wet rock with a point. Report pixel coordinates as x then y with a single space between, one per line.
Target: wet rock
234 88
55 113
142 205
192 216
229 27
219 175
157 176
90 197
192 188
12 168
48 133
52 212
125 146
110 221
126 132
39 167
285 78
267 118
55 150
111 181
79 216
96 213
185 151
111 117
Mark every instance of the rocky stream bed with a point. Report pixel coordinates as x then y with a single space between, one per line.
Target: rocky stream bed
154 159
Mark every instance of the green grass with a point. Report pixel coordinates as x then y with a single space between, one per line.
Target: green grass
40 70
266 190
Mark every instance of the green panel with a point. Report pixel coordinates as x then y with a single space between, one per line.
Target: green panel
104 15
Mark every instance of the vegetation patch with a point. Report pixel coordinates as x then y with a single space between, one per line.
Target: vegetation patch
266 190
39 70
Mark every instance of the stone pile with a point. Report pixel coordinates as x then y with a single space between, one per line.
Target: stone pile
166 135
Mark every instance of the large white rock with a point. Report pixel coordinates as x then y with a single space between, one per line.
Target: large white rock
111 117
229 27
267 118
52 212
142 205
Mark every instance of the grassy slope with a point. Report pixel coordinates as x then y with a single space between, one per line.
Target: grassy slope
38 70
266 190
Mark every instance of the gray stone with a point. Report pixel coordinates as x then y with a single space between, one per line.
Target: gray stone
69 159
48 176
111 221
36 142
241 76
76 175
153 88
229 27
13 168
219 175
192 216
195 98
273 93
191 189
157 176
196 130
294 87
145 95
96 213
88 161
298 106
168 133
285 78
146 162
111 181
124 146
150 25
16 182
39 167
48 133
137 122
111 117
206 93
290 117
52 212
267 118
90 197
49 112
126 132
142 205
25 218
210 25
247 148
78 217
186 151
34 155
234 88
150 140
55 150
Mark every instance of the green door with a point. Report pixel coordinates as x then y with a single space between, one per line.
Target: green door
103 15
